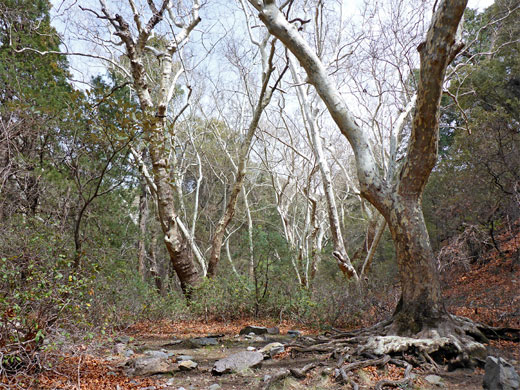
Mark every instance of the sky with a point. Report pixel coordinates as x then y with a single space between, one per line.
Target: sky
93 67
480 3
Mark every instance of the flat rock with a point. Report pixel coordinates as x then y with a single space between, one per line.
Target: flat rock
237 362
258 330
500 375
214 386
148 365
172 343
198 342
255 339
204 341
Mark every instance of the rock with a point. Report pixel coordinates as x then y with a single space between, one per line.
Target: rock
294 333
182 358
187 365
170 382
204 341
148 365
157 354
255 339
500 375
274 330
434 380
237 362
121 349
251 348
172 343
128 353
272 349
198 342
214 386
258 330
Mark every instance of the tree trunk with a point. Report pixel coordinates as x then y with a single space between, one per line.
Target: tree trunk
155 109
178 249
141 247
263 100
339 249
421 305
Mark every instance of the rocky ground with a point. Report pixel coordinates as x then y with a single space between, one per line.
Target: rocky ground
146 360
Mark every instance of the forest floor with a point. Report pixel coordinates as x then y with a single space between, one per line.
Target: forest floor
100 369
487 291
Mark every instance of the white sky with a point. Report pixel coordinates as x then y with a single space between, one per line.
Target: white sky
83 68
480 3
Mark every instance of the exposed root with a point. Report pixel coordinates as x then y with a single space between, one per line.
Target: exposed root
298 373
452 341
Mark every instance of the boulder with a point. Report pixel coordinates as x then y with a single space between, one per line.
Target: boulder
258 330
500 375
148 365
204 341
271 350
237 362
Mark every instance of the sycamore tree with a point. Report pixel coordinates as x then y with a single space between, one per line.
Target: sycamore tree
420 312
134 31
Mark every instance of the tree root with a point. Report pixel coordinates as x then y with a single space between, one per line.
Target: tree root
298 373
492 333
453 342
